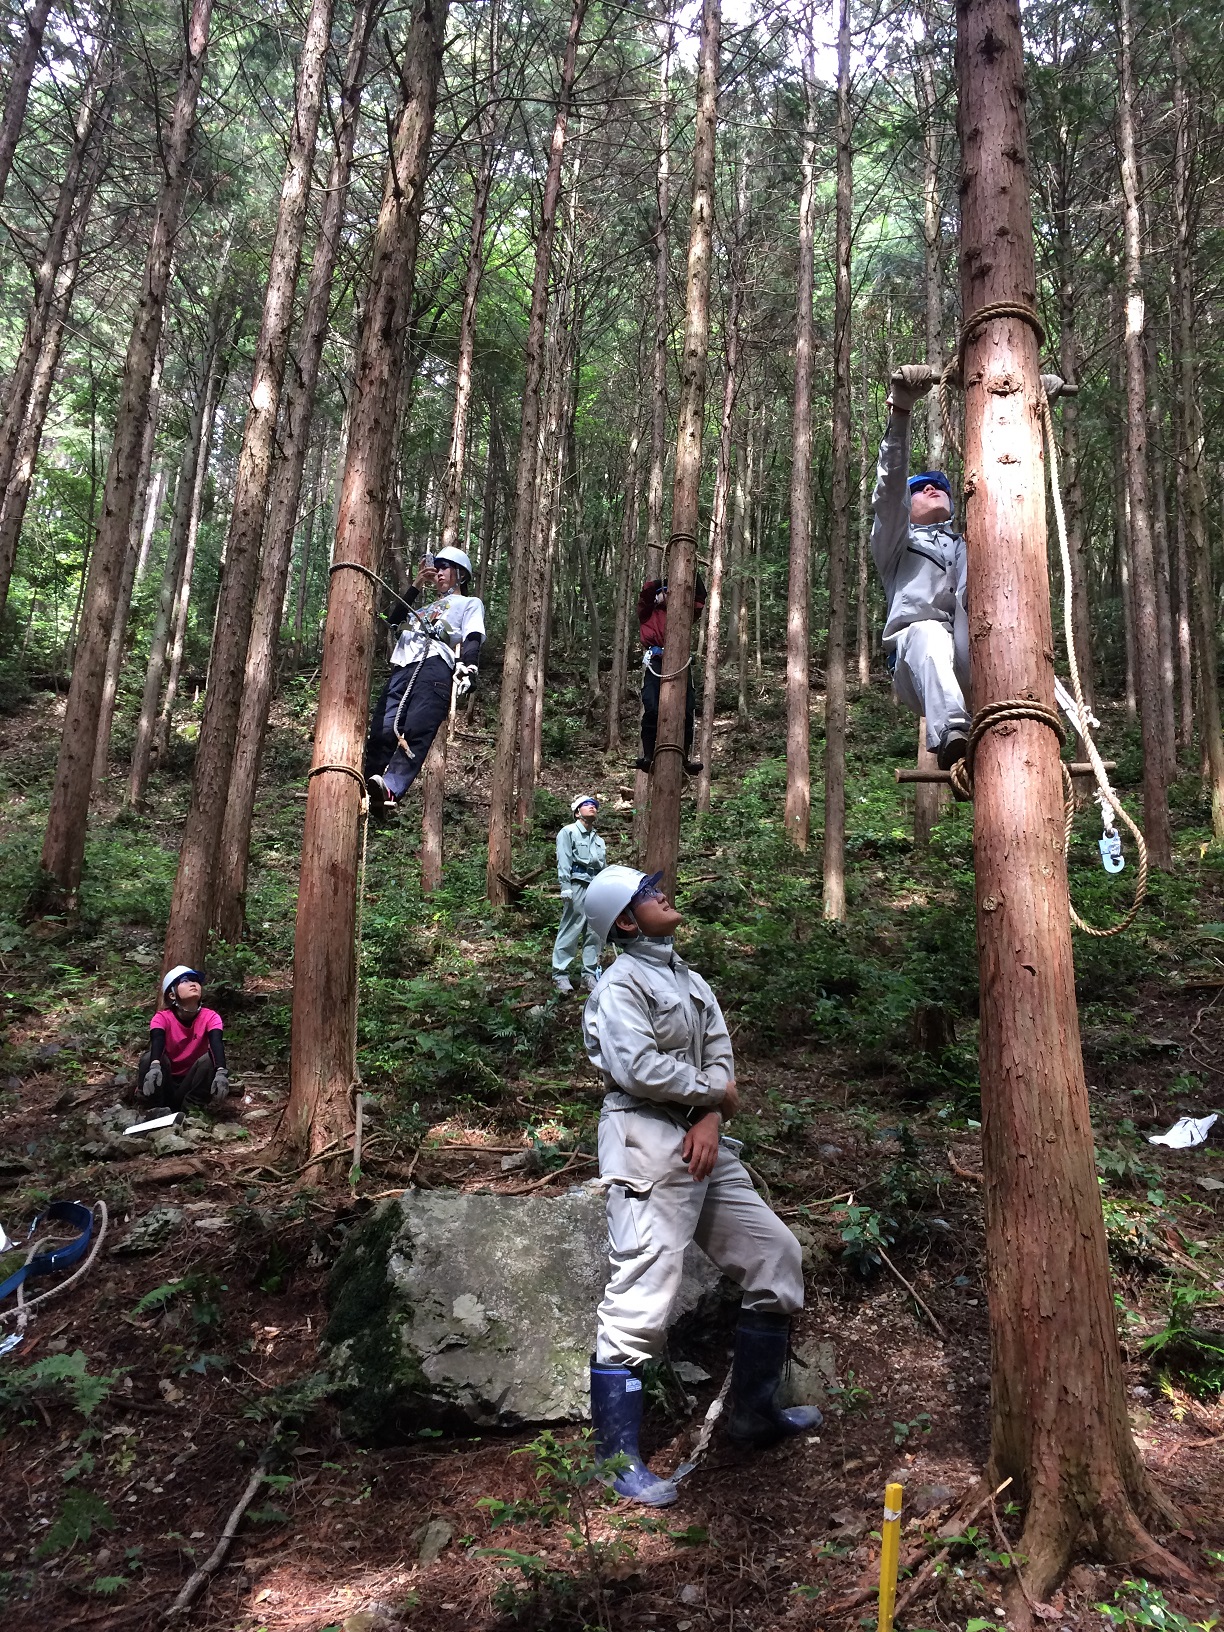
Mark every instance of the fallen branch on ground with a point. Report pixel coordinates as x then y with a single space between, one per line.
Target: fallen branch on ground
198 1579
913 1294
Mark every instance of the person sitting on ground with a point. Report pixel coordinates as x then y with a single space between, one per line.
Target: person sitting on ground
654 1031
581 854
185 1060
921 560
439 648
652 625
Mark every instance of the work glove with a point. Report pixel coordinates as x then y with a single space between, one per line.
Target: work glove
465 678
220 1083
909 385
152 1080
567 895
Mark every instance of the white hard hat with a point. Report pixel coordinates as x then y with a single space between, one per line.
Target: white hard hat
180 972
455 558
583 799
610 892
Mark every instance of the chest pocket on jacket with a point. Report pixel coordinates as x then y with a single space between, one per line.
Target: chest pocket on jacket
672 1030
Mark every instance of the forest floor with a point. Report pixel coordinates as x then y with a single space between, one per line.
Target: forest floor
135 1410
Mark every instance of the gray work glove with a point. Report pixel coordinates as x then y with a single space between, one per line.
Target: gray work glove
152 1080
909 385
220 1083
465 678
567 895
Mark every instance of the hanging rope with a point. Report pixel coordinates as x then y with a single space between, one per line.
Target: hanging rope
994 714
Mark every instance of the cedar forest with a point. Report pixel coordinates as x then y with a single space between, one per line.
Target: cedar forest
596 294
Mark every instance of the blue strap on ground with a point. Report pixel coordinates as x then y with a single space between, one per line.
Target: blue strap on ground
46 1263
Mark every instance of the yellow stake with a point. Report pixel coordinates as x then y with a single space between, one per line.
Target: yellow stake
889 1550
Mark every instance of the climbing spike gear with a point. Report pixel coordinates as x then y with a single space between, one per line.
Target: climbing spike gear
762 1344
616 1412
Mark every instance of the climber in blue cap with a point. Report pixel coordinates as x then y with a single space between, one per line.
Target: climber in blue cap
921 559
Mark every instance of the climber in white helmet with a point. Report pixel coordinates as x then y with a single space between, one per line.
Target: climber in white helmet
439 648
654 1031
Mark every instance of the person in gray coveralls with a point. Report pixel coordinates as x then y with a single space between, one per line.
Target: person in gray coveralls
921 560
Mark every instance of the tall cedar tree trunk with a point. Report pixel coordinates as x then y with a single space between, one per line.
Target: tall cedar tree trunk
722 483
286 489
625 575
1160 550
662 329
1073 493
63 851
501 796
839 531
191 907
25 60
1059 1419
1191 440
863 604
323 1057
1142 557
127 581
932 230
798 815
182 602
667 774
21 480
176 555
434 769
73 200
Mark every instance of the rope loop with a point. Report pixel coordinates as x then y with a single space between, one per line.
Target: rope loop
366 572
953 375
348 770
1012 708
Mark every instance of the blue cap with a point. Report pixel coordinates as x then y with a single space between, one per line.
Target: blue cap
935 478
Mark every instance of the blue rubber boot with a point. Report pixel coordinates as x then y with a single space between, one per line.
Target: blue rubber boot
616 1411
754 1417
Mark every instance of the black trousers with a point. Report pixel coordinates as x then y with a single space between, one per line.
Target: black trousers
650 711
193 1085
426 708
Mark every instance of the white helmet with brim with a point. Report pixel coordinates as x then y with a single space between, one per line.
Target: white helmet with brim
454 558
179 972
610 892
583 799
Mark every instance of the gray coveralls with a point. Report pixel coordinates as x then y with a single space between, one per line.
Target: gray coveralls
654 1029
923 570
580 855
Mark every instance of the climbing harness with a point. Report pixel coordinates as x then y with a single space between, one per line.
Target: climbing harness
1082 720
46 1263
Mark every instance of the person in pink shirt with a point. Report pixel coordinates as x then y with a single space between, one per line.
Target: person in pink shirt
185 1059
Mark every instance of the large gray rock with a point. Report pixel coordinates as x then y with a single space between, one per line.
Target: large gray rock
455 1309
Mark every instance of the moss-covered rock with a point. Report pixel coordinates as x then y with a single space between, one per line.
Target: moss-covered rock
449 1309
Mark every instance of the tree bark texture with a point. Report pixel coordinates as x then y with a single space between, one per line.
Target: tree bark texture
74 199
1160 552
722 483
662 329
16 494
1142 556
1190 413
191 907
127 581
839 522
625 576
862 552
1058 1409
63 849
229 904
667 773
932 229
323 1056
25 60
798 814
505 766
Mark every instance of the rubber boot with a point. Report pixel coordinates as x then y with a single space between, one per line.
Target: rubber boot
616 1411
755 1418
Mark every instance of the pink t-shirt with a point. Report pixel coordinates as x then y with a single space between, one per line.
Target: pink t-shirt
185 1043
